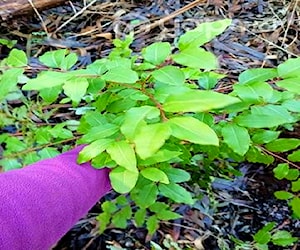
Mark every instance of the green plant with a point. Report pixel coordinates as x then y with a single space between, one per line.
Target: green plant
155 118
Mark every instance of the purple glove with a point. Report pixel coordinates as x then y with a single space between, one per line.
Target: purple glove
40 203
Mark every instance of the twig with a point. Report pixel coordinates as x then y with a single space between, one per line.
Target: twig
40 17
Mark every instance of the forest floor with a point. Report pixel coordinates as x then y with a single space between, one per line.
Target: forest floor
263 34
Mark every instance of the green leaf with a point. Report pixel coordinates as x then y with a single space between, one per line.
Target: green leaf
296 186
295 204
176 174
9 164
121 75
281 171
9 81
134 117
139 217
69 61
204 33
50 94
109 207
76 88
145 195
167 215
291 84
254 92
236 137
190 129
256 155
155 174
265 136
150 138
47 79
263 236
157 53
123 154
91 151
176 193
170 75
295 156
152 224
283 144
259 75
292 105
162 155
123 180
48 152
99 132
17 58
104 219
196 58
283 238
289 68
293 174
53 59
283 195
158 206
197 101
120 218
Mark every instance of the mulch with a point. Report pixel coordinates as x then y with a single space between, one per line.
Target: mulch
263 34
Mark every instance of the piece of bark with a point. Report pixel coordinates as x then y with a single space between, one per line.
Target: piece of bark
11 8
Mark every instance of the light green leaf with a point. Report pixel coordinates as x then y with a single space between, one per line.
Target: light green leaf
293 174
197 101
9 164
152 224
99 132
292 105
50 94
121 75
296 186
283 238
120 218
291 84
176 174
47 79
265 136
289 68
17 58
162 155
295 156
176 193
257 75
204 33
48 152
53 59
157 53
281 171
155 174
91 151
134 117
139 217
75 88
283 195
167 215
9 81
145 195
283 144
236 137
170 75
295 204
196 58
123 154
123 180
150 138
263 236
69 61
190 129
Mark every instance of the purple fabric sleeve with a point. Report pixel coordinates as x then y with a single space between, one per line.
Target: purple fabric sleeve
40 203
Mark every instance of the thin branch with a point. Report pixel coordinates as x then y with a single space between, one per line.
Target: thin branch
40 17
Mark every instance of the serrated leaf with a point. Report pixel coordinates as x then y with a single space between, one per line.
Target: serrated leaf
76 88
295 156
236 137
196 58
150 138
99 132
92 150
144 196
197 101
47 79
289 68
259 75
204 33
17 58
190 129
283 195
283 238
170 75
123 154
283 144
9 164
176 193
9 81
176 175
263 236
157 53
291 84
155 174
123 180
121 75
135 117
281 171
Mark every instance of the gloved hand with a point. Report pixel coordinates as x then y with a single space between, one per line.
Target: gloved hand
41 202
